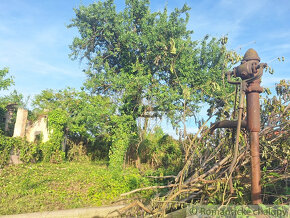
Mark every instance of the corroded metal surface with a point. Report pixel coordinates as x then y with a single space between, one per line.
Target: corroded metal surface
253 111
251 54
255 168
227 124
250 71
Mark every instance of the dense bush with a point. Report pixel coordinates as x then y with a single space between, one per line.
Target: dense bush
28 152
76 152
274 143
52 149
2 118
99 149
161 151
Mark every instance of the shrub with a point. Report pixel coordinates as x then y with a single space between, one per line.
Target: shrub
28 152
76 152
161 151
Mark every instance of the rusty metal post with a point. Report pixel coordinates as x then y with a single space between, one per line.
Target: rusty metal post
253 121
250 71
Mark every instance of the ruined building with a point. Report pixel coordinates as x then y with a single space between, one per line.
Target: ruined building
31 130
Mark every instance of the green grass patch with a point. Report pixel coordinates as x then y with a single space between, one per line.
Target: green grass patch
46 186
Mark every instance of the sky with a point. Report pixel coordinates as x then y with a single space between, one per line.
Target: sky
34 39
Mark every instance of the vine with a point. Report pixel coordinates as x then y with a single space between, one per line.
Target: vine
28 152
51 149
122 130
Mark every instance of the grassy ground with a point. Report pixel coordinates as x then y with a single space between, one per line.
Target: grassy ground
46 186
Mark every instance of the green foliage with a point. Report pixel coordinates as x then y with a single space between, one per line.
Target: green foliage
5 83
99 149
170 153
14 97
274 143
52 149
77 152
147 61
87 118
46 187
116 184
28 152
161 151
121 134
2 118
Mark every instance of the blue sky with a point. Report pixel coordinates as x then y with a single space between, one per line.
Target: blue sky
34 39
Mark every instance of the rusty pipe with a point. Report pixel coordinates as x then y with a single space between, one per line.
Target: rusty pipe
255 168
227 124
250 72
236 147
253 122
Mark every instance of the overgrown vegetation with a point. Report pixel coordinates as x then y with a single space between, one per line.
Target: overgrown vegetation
28 152
143 65
45 186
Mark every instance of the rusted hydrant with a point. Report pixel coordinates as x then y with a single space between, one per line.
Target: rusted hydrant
250 71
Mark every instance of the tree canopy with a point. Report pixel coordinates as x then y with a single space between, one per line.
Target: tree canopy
147 61
83 120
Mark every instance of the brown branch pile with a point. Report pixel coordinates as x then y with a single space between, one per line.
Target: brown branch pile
204 173
204 176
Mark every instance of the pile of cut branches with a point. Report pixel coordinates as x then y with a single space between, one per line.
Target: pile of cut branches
204 177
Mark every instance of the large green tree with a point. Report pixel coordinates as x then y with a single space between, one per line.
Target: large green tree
147 61
148 64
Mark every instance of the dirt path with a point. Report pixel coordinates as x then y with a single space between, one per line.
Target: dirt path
95 212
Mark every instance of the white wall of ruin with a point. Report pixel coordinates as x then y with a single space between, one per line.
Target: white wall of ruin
36 128
20 124
30 129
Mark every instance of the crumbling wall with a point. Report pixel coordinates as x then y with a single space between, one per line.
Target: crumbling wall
32 131
37 128
8 116
19 131
20 124
28 129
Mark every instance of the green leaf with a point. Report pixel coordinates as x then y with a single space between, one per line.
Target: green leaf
172 46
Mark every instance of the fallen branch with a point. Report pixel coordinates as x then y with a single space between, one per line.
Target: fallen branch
148 188
123 210
161 177
134 204
222 162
